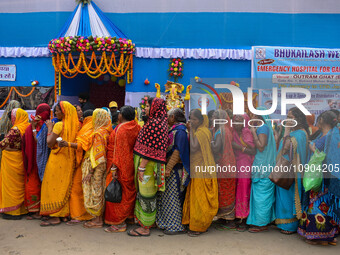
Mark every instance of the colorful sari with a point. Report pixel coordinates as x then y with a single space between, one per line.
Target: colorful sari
5 121
288 202
151 144
84 141
57 182
169 202
12 175
29 149
226 180
120 152
95 158
316 223
201 200
243 161
262 197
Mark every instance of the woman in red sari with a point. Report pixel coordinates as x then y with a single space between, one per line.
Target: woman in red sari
29 149
120 164
224 157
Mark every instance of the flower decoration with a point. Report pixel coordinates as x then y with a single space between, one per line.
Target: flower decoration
176 68
143 103
320 222
85 44
324 208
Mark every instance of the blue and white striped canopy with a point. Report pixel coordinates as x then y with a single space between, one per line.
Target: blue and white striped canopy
87 20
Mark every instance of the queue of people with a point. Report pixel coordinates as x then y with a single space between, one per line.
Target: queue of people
57 170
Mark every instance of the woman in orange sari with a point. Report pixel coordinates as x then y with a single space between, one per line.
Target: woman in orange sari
12 174
120 161
78 212
57 182
29 149
221 146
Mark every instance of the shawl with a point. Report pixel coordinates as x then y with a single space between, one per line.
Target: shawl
153 138
5 122
20 120
43 152
29 145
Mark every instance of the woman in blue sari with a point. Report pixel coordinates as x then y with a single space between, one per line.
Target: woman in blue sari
316 225
170 202
288 202
262 195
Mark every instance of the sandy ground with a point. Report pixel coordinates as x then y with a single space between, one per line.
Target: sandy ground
27 237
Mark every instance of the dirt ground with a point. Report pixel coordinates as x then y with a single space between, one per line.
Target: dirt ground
27 237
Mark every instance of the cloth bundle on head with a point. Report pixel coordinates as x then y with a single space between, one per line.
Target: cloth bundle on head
153 138
20 120
5 122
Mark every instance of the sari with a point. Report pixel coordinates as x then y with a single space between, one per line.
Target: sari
243 162
262 196
332 150
84 141
57 182
12 175
120 152
316 222
29 149
151 144
95 158
226 180
5 121
201 199
288 202
169 202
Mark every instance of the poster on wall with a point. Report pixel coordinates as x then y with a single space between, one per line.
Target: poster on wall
321 100
310 68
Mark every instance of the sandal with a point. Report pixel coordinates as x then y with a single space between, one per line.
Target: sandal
256 229
34 217
116 228
333 242
286 232
195 233
90 224
172 233
73 222
130 233
49 224
317 242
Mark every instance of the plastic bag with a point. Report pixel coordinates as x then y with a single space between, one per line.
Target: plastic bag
312 178
113 192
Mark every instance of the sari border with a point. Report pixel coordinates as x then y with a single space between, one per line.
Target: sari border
12 208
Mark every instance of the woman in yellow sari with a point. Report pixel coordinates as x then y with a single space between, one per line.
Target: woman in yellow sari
94 169
201 200
12 175
57 182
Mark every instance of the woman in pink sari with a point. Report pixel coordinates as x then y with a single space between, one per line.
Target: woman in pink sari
244 150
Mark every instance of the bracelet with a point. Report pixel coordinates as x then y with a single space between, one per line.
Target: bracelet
49 134
34 130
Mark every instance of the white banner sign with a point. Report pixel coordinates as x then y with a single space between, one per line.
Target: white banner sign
8 72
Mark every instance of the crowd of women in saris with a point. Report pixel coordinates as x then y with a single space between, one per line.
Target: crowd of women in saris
57 170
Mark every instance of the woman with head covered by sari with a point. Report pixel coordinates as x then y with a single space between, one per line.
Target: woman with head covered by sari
78 212
12 174
120 164
5 121
221 146
262 197
29 148
201 200
150 159
244 149
288 202
57 181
